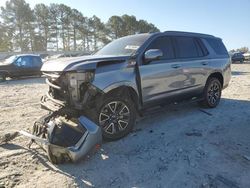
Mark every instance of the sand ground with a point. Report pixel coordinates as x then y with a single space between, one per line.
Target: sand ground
179 146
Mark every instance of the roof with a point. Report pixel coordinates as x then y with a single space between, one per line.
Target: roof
21 55
182 33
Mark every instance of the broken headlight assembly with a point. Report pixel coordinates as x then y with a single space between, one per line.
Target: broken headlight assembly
75 77
75 80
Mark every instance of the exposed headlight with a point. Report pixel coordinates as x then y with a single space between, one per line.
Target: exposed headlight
72 82
75 80
76 77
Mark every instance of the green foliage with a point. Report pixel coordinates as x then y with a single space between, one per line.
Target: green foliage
57 26
242 49
42 15
17 18
128 25
5 39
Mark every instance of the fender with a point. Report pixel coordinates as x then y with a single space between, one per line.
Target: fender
121 84
215 72
6 73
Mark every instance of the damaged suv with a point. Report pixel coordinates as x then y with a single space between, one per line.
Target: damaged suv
136 72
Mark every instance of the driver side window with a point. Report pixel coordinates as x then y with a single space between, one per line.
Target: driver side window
24 62
165 45
18 62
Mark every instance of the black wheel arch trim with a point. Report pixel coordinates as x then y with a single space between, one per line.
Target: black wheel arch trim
127 86
218 75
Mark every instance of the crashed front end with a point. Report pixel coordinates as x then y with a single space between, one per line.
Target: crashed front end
71 92
65 133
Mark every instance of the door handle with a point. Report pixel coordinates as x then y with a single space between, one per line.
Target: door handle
204 63
175 66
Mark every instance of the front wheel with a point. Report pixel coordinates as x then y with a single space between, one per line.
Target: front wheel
2 77
116 117
212 93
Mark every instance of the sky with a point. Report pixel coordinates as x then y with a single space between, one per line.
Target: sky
227 19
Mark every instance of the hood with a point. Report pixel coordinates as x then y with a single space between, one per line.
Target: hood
4 65
78 63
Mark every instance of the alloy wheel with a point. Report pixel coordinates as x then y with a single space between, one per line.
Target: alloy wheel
114 117
214 93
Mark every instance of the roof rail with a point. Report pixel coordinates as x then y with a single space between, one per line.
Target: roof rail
187 33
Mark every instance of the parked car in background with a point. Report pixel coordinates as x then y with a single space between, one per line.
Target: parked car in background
246 56
238 57
134 73
20 65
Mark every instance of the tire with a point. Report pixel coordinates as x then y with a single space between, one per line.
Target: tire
116 115
2 78
211 93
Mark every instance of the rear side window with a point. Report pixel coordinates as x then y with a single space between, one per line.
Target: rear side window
37 62
217 46
165 45
202 47
188 47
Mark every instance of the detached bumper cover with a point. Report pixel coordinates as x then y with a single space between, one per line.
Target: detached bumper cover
90 136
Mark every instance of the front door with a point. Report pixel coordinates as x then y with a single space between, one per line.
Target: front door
163 77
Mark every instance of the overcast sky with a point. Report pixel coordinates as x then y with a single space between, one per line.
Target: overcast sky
227 19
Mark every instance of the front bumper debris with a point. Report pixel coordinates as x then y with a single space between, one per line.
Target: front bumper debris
50 104
65 140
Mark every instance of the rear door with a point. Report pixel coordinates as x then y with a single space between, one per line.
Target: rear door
190 56
163 77
36 65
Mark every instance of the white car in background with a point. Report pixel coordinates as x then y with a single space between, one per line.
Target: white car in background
246 56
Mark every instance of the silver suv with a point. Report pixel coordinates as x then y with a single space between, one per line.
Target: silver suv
137 72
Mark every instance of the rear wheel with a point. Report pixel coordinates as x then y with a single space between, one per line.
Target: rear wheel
212 93
116 116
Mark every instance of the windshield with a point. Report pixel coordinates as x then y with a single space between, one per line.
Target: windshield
124 46
9 60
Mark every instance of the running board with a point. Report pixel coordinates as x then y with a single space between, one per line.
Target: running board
159 108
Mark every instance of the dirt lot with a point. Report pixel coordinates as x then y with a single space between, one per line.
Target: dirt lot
181 146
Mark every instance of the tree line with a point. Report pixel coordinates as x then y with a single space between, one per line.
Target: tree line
59 27
242 50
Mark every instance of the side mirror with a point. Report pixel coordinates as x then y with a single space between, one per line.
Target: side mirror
152 54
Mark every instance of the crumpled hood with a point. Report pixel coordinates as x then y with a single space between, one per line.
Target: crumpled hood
78 63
